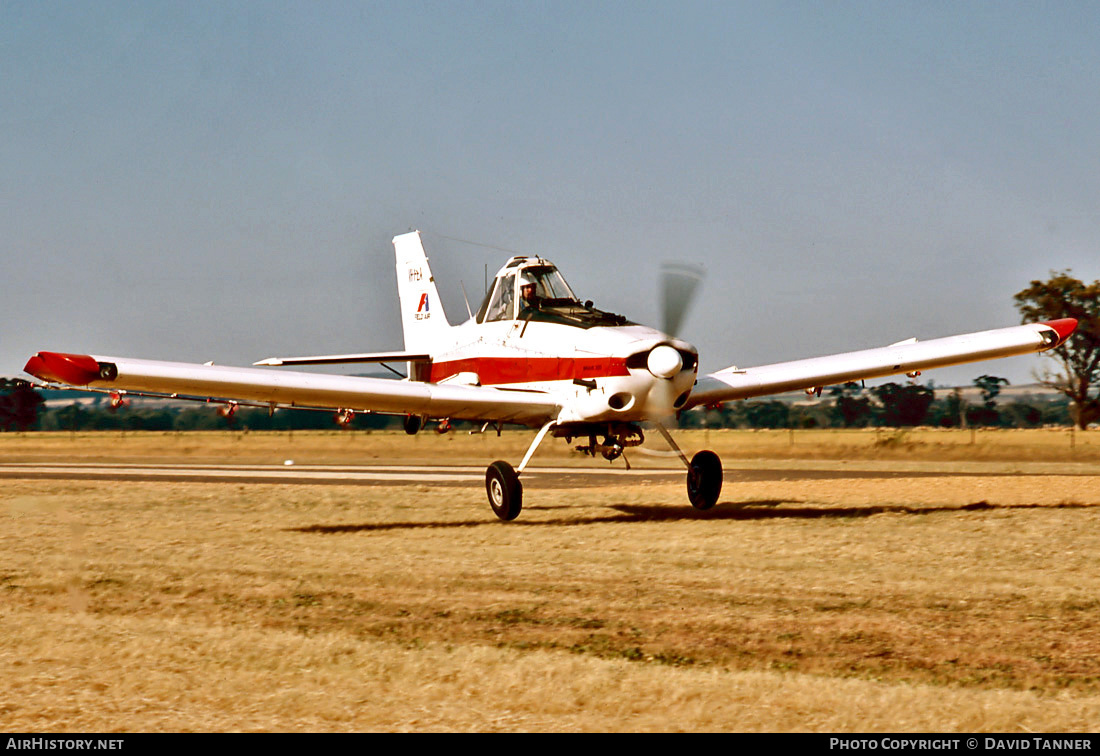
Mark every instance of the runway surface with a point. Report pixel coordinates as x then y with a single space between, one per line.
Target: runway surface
374 475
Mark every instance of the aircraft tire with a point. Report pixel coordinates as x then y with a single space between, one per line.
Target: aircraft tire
504 490
413 423
704 480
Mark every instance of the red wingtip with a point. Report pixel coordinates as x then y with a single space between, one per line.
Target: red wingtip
74 369
1063 327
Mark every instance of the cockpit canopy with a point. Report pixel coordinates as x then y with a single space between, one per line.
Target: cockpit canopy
505 299
531 288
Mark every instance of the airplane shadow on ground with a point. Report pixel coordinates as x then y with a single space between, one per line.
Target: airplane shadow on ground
763 509
771 509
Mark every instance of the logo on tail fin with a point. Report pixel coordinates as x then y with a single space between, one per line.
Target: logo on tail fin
422 308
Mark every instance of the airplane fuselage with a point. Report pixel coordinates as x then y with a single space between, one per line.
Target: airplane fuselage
598 374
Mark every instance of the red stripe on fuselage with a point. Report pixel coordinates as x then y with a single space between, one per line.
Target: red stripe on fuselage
494 370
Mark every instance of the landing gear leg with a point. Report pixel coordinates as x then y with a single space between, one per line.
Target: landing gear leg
502 482
704 478
672 444
535 444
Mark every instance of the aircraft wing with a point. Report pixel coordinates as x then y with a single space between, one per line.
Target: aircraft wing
904 357
294 389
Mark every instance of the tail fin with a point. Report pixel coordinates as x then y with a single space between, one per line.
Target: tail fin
422 317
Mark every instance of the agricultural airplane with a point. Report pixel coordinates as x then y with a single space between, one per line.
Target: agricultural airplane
536 355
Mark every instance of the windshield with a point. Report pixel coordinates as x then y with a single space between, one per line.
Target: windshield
553 300
500 303
549 283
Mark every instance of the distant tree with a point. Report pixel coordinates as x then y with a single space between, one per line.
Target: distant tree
727 415
1056 412
772 414
904 405
990 386
199 418
1021 415
19 405
955 411
1064 296
851 408
816 415
149 420
692 418
74 417
987 414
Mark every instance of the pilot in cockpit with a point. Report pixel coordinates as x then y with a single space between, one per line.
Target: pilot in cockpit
529 298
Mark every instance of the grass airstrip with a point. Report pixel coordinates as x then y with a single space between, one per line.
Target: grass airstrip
847 581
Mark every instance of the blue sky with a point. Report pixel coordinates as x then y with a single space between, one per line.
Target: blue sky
221 181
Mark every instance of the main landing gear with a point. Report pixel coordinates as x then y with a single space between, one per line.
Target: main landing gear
504 489
502 484
704 480
502 481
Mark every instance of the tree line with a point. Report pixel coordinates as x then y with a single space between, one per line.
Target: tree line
890 405
18 412
848 406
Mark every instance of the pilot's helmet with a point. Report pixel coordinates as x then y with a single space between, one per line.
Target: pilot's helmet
526 280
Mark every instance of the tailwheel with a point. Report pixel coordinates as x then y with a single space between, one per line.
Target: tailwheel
504 489
704 480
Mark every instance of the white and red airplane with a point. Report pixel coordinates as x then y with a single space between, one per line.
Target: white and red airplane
535 355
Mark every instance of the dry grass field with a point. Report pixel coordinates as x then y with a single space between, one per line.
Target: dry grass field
874 581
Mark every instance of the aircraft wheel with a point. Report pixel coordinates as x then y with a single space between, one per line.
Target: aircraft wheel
413 424
504 489
704 480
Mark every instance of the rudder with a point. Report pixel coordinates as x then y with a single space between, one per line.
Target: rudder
422 318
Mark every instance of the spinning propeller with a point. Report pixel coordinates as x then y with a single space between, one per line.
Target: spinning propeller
678 284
